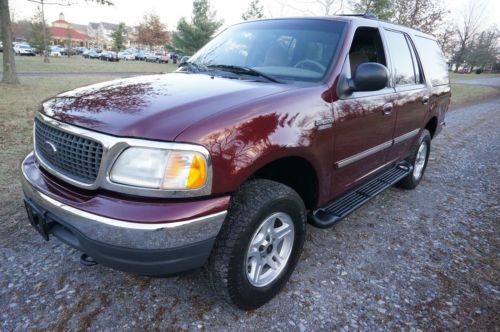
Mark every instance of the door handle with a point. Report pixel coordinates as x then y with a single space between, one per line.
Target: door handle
425 100
387 109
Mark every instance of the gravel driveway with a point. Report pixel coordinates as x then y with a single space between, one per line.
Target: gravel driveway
424 259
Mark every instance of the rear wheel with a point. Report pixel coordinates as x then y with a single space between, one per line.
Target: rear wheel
418 159
259 245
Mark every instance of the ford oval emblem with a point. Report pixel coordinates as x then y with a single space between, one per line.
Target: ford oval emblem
50 148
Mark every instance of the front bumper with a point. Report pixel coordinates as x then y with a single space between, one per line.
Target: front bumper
159 248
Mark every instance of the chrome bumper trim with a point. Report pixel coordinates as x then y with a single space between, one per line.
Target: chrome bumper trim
120 223
124 233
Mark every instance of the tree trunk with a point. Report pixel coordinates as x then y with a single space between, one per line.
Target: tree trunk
9 64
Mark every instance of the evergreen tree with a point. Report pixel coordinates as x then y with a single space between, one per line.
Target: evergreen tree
254 11
119 37
484 49
36 37
191 36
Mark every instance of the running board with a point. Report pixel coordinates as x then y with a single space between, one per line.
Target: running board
348 203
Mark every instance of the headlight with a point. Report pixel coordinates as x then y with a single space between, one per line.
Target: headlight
160 169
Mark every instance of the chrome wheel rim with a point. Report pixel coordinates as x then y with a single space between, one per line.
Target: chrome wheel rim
269 249
418 167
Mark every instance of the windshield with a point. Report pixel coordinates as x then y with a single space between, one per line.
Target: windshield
291 49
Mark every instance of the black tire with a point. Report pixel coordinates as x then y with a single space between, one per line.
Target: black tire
250 206
411 181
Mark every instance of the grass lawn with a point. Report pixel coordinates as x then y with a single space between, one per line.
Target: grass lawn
25 64
17 109
473 76
463 94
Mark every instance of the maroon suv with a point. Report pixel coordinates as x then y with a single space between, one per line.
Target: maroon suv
273 124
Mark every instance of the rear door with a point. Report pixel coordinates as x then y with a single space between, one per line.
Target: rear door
412 104
436 74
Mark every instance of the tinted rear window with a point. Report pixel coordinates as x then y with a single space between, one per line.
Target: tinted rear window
433 60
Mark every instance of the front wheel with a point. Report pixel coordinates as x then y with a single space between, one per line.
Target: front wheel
418 159
259 244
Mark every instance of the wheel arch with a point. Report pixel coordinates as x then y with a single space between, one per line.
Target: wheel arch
432 125
294 171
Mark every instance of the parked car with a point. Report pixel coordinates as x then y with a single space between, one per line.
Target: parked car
109 56
141 55
158 57
222 163
24 49
92 54
73 51
164 58
1 46
124 55
153 57
56 51
81 50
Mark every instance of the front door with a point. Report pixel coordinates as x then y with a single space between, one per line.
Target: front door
364 121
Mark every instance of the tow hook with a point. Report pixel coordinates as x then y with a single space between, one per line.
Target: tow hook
86 260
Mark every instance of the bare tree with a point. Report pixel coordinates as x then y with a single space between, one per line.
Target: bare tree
152 32
425 15
447 38
380 8
9 65
472 16
314 7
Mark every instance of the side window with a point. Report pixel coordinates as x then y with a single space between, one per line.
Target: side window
432 60
402 62
366 47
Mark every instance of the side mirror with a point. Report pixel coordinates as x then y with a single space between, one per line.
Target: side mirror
184 59
369 76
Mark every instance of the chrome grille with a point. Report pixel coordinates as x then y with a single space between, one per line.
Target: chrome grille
75 157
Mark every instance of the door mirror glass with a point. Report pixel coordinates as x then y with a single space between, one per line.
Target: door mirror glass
368 76
184 59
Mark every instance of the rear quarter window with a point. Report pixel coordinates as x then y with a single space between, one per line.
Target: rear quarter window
432 60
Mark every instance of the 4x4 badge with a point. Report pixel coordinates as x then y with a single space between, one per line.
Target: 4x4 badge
323 123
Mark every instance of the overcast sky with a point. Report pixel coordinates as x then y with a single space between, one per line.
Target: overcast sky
132 11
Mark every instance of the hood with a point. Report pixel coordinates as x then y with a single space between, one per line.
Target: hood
156 107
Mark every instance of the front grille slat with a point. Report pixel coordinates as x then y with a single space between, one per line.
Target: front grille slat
77 157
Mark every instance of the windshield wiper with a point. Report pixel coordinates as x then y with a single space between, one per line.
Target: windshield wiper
244 70
193 67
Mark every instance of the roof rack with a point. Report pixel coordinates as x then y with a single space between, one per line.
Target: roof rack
370 16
